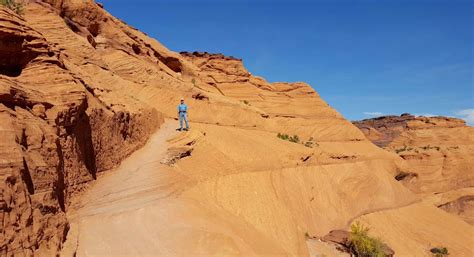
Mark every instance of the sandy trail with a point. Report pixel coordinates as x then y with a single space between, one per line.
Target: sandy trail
111 212
134 183
136 210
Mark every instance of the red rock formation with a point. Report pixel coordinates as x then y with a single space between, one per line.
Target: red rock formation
383 130
88 90
437 152
56 136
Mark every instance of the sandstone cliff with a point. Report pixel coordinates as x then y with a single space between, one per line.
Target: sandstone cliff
85 90
437 152
56 133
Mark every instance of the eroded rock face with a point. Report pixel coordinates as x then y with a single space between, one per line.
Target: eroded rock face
383 130
19 45
462 206
437 152
56 137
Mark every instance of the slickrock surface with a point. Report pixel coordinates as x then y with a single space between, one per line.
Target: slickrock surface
89 90
437 152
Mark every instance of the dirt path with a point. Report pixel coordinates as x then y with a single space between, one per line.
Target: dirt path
109 219
137 210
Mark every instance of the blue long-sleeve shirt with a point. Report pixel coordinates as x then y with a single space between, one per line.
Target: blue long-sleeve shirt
182 108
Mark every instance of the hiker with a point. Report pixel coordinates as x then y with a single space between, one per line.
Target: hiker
182 110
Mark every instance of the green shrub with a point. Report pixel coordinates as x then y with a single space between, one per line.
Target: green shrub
13 5
439 251
363 245
294 139
283 136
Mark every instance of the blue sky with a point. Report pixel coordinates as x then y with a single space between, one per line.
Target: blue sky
364 58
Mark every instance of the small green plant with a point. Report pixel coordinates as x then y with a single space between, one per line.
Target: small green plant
13 5
283 136
193 81
439 251
364 245
294 139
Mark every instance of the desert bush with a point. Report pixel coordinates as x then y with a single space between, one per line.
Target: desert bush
13 5
364 245
246 102
283 136
294 139
439 251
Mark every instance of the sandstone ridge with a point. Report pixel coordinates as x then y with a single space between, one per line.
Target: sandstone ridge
437 154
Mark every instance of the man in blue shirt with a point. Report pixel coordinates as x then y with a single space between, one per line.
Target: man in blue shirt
182 110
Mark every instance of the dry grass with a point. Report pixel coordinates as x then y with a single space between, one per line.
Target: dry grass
13 5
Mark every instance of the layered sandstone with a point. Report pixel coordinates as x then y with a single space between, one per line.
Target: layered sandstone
92 90
56 134
437 152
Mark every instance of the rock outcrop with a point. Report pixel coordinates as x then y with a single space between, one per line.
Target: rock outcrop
385 129
57 135
88 90
437 152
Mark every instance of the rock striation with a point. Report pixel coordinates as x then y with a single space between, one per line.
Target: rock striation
56 136
85 90
437 152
